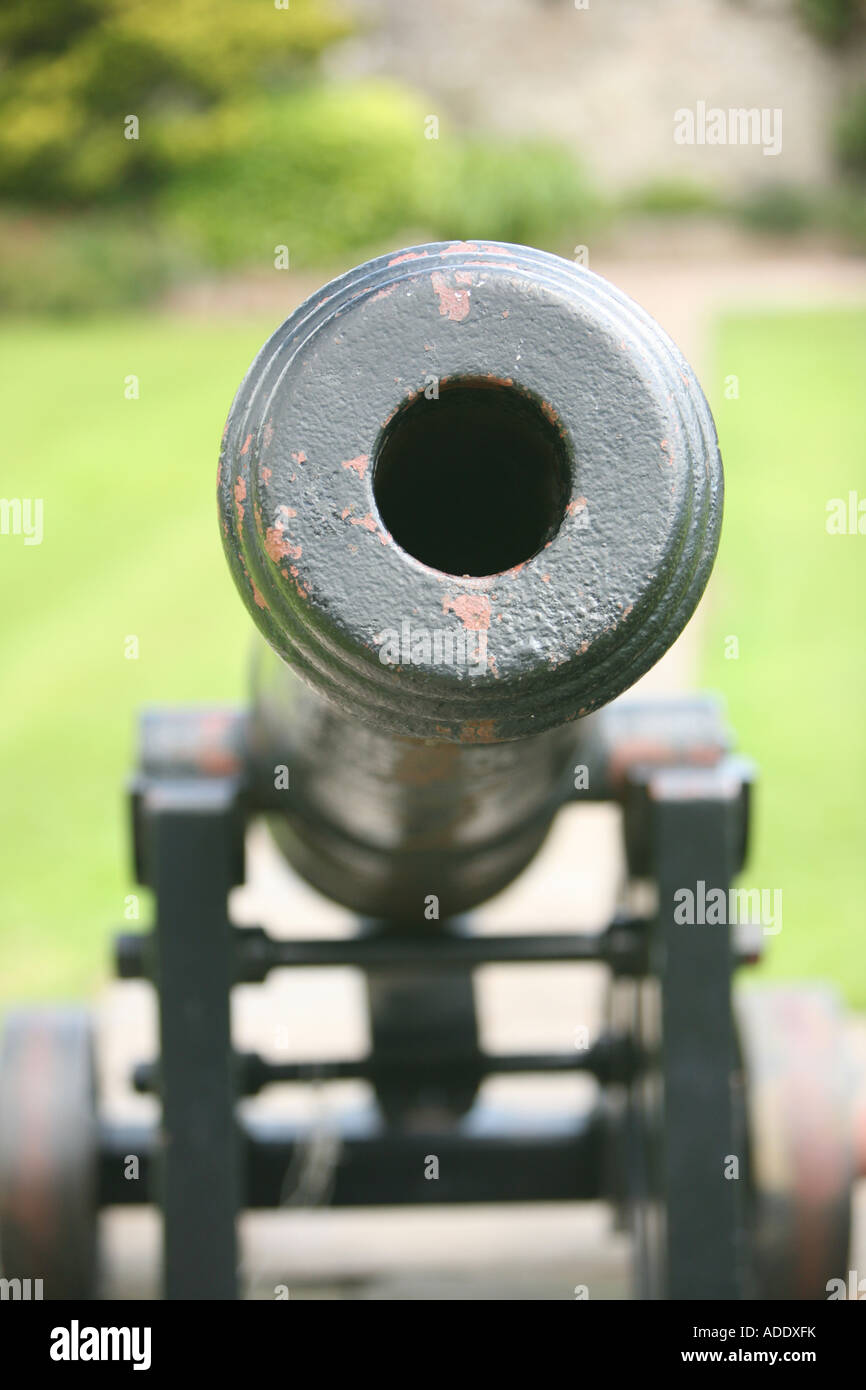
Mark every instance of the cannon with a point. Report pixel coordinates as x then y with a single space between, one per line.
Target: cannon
469 494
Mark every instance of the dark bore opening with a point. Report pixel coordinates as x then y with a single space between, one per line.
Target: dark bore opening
474 482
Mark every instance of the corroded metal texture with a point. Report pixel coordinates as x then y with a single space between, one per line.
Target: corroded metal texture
469 493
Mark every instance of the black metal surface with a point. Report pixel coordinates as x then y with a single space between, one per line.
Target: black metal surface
189 841
49 1156
413 1015
511 523
607 408
609 1058
490 1160
622 946
689 1210
260 953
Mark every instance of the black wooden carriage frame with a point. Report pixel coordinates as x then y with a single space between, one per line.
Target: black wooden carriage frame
659 1139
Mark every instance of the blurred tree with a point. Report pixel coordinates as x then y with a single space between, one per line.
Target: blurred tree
76 70
851 136
834 21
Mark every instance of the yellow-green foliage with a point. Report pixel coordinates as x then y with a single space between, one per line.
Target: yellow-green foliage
241 148
75 69
327 169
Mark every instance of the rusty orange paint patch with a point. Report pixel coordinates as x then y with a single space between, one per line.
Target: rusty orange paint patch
359 464
278 547
299 456
473 610
368 522
409 256
577 505
257 596
478 731
240 494
246 444
453 303
268 434
266 476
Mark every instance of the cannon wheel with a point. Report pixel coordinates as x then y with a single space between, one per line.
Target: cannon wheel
797 1087
49 1151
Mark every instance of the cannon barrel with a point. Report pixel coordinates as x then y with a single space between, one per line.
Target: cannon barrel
469 494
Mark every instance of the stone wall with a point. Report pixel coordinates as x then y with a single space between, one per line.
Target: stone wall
609 78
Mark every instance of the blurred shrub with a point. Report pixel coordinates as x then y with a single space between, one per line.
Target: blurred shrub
851 135
672 198
88 262
328 171
833 21
846 213
778 208
75 69
319 169
530 191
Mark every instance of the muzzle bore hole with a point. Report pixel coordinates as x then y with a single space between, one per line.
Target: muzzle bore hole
474 482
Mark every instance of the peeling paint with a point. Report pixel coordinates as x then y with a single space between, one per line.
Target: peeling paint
478 731
278 547
359 464
473 610
240 494
246 444
453 303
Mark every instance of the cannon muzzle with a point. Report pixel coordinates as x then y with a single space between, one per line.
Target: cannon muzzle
469 494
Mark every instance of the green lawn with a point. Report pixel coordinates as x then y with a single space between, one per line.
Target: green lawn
131 547
793 596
